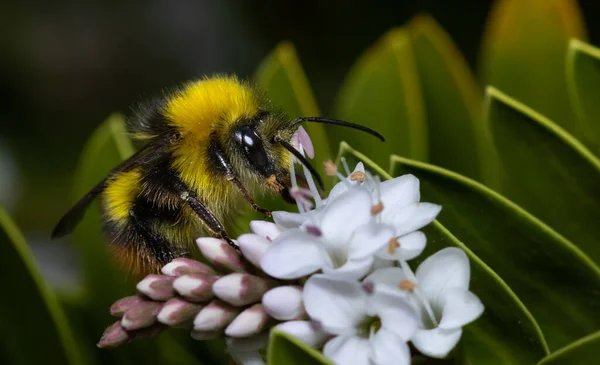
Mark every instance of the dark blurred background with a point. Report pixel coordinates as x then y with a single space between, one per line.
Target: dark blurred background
65 65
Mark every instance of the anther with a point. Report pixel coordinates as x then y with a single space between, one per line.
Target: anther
407 285
314 230
393 244
376 209
330 168
358 176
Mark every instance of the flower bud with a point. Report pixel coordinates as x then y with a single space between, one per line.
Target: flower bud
178 312
250 322
220 254
284 303
182 266
195 287
265 229
141 315
114 336
241 289
122 305
157 287
215 316
305 331
253 247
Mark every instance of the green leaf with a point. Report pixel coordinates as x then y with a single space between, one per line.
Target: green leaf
556 281
583 78
524 51
33 327
583 351
285 349
457 137
547 171
507 333
382 91
281 76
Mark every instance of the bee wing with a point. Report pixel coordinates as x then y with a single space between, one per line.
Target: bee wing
72 218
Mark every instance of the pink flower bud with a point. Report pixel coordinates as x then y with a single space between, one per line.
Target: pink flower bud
122 305
241 289
178 312
195 287
157 287
215 316
250 322
253 247
220 254
284 303
141 315
114 336
181 266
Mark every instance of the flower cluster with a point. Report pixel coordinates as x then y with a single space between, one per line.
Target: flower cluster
336 276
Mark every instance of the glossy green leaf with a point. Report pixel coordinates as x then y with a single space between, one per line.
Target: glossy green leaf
457 137
583 351
507 333
557 282
583 80
524 49
382 91
33 327
285 83
547 171
285 349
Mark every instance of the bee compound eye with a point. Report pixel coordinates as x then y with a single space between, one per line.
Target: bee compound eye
253 148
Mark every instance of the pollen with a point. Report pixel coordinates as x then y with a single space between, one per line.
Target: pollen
407 285
376 209
272 183
358 176
393 244
330 168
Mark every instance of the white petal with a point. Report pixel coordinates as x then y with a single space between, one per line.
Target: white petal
436 342
343 186
445 269
244 351
253 247
293 255
343 215
389 277
411 217
339 305
287 220
348 350
411 246
351 270
400 191
304 331
379 263
460 307
395 311
284 303
368 239
389 349
268 230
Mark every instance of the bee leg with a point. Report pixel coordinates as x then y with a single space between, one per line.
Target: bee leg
248 197
208 217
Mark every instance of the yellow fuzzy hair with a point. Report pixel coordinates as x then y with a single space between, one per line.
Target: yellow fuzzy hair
120 195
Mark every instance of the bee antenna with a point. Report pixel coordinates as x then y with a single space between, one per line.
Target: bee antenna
343 123
302 160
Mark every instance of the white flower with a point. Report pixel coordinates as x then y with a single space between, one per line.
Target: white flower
340 239
441 293
370 326
245 351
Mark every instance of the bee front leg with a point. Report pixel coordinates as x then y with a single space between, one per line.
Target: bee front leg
247 196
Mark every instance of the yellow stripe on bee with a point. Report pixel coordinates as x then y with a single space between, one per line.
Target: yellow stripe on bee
120 194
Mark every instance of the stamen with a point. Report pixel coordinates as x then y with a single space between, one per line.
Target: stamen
393 244
407 285
300 196
314 230
368 287
330 168
295 185
345 164
358 176
420 296
376 209
311 183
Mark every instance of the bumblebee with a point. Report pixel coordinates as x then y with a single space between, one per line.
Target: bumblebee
207 145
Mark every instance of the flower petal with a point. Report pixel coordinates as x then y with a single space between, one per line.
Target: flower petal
460 307
253 247
244 351
411 246
293 255
305 331
411 217
287 220
389 349
368 239
351 270
348 350
400 191
350 210
265 229
343 186
445 269
389 277
395 311
339 305
436 342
